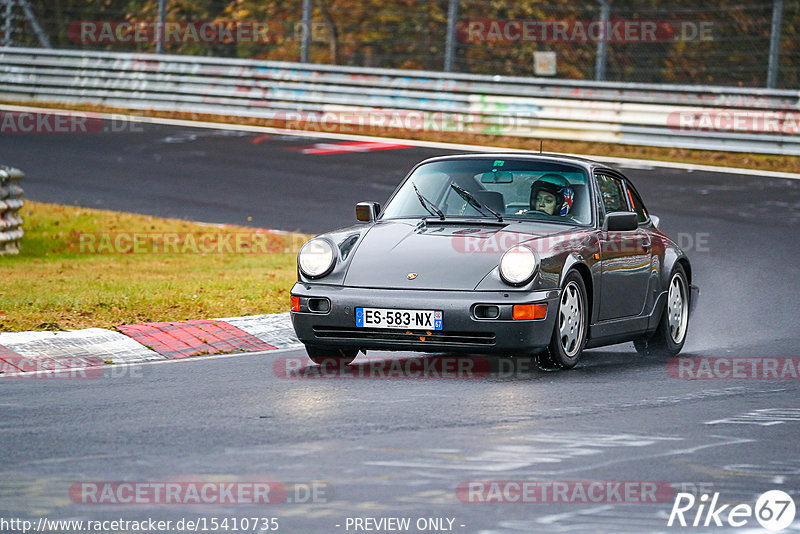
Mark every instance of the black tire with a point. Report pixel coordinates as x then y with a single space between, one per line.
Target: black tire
571 326
669 337
331 356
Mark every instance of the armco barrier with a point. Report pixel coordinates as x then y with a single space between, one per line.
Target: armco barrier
10 205
700 117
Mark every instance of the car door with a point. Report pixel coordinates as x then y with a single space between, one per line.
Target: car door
625 256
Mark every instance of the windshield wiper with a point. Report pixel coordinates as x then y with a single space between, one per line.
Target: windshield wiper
466 195
427 204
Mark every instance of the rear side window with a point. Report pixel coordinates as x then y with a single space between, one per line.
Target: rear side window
637 204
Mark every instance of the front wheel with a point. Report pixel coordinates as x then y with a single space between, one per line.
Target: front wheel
569 335
331 356
670 336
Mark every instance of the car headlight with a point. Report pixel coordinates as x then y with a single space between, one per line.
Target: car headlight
316 258
518 265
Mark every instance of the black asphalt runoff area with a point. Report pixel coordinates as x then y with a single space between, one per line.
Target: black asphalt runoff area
399 448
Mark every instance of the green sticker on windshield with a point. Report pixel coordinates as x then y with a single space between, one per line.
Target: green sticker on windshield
498 163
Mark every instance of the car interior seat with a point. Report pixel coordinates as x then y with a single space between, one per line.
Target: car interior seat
580 203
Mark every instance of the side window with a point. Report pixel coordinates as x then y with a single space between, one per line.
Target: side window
638 205
612 194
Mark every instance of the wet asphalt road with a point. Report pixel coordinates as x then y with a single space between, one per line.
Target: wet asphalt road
400 448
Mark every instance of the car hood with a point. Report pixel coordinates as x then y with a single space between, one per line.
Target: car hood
442 256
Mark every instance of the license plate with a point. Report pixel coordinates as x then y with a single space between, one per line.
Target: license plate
386 318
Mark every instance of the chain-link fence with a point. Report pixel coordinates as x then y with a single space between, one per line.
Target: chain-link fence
729 42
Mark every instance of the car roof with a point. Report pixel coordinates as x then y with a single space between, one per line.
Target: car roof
564 158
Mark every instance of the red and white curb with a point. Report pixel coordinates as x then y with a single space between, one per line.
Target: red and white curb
347 147
193 338
50 350
21 351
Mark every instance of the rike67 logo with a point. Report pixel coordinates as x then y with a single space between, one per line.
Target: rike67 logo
774 510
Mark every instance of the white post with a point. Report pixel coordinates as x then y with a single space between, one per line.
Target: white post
450 45
600 59
305 44
162 20
774 43
8 26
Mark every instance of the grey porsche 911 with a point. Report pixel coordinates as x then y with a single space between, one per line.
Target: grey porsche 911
496 254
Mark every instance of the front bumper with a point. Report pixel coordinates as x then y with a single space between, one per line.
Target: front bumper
462 330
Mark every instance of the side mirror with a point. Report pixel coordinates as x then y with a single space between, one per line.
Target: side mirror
621 221
656 220
367 211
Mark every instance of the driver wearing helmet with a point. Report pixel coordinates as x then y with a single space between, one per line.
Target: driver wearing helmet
552 194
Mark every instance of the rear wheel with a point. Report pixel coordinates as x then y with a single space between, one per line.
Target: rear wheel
569 335
331 356
670 336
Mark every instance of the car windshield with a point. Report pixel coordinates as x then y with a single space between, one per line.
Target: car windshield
511 188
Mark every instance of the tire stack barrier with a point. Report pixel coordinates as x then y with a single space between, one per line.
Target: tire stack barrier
10 206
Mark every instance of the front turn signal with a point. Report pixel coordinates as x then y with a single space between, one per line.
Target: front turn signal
528 312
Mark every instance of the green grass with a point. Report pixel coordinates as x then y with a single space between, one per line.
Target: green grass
60 281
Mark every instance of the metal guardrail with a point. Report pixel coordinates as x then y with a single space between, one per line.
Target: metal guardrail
698 117
10 205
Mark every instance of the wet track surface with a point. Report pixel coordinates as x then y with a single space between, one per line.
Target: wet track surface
401 447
